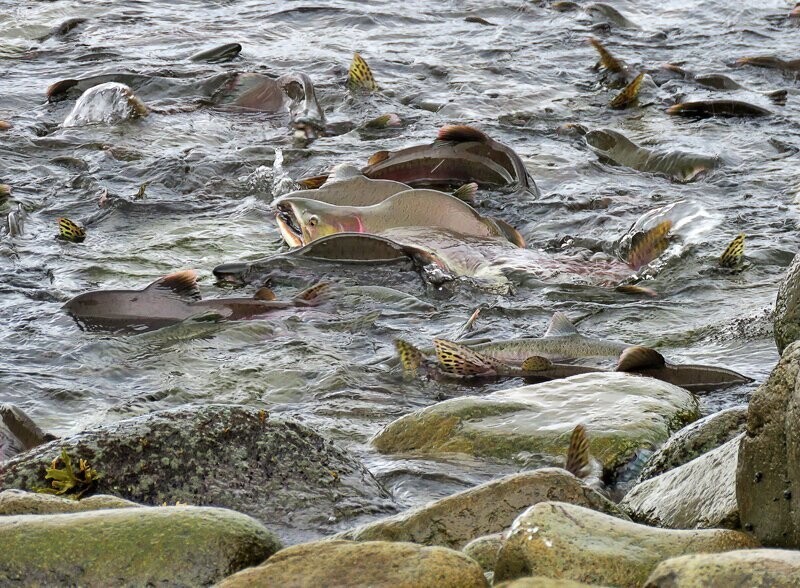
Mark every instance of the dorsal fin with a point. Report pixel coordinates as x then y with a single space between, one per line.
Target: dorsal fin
536 363
313 295
313 182
461 360
410 356
560 325
264 293
578 453
639 358
467 192
461 134
182 284
377 157
733 254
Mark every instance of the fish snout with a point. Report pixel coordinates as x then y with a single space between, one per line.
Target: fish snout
232 273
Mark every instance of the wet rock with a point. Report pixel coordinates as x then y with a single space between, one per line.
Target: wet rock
566 541
696 439
18 432
698 494
768 476
622 413
542 582
282 473
373 563
786 322
773 568
484 550
488 508
175 546
18 502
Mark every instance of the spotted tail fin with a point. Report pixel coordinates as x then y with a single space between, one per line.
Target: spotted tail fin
578 453
459 360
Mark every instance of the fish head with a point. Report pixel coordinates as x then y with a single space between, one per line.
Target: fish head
302 220
600 139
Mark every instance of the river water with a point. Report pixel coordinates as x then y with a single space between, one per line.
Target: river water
209 178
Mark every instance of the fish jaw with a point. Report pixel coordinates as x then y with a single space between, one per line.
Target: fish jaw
302 220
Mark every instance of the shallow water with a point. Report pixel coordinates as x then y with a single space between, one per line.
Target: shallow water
209 184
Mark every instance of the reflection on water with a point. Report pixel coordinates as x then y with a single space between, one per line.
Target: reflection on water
209 180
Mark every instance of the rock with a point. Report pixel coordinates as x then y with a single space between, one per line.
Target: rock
565 541
370 563
696 439
282 473
768 476
770 568
786 320
622 413
18 432
175 546
484 550
488 508
542 582
17 502
698 494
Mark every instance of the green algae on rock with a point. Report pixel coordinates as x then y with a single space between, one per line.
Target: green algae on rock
571 542
622 414
18 502
176 546
374 564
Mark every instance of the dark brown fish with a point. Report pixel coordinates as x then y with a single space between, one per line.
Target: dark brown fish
222 53
723 108
770 62
173 299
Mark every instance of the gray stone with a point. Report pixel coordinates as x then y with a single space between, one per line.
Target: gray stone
491 507
164 546
570 542
786 320
698 494
18 432
17 502
768 476
696 439
293 480
746 568
373 564
622 413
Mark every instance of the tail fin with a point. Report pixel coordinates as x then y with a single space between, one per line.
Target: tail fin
70 231
649 245
360 75
410 356
607 60
734 253
578 453
460 360
628 94
314 295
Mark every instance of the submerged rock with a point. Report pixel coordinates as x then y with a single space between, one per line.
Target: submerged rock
175 546
571 542
488 508
786 324
698 494
18 502
282 473
376 564
696 439
622 414
768 476
18 432
772 568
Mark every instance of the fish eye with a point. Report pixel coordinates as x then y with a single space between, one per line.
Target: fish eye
312 221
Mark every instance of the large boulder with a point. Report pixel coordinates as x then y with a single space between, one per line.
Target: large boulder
374 564
768 476
572 542
17 502
284 474
746 568
698 494
489 508
161 546
18 432
786 320
696 439
622 413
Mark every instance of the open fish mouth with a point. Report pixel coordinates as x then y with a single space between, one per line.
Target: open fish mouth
289 225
